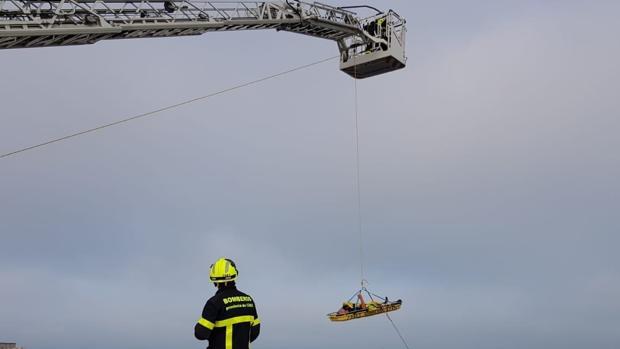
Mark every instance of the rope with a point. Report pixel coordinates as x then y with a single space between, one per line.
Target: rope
397 331
383 298
362 6
353 296
357 167
359 207
369 295
170 107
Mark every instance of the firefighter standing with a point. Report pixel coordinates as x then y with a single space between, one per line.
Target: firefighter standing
229 319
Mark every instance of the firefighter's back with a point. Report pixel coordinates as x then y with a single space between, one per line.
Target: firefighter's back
229 319
236 320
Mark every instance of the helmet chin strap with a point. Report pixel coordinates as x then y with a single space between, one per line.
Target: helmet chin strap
224 284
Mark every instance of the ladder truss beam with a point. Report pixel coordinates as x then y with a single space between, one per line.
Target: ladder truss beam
41 23
368 46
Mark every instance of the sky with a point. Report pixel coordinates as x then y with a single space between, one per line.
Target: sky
488 171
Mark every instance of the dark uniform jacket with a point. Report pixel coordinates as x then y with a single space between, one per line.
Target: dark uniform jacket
229 320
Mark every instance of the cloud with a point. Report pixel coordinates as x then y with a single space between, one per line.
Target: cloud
488 190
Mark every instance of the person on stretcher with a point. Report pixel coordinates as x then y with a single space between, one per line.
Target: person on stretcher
348 307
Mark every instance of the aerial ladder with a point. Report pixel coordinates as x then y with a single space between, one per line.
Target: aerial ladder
368 46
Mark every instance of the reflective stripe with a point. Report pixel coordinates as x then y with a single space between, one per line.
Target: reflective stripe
256 322
206 323
228 323
234 320
229 337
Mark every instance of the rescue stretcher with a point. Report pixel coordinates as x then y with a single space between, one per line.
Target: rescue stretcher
361 309
357 314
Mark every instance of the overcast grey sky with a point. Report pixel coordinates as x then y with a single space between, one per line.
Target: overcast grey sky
489 174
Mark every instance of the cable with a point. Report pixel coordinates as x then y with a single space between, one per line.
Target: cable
357 167
170 107
359 204
296 10
361 6
397 331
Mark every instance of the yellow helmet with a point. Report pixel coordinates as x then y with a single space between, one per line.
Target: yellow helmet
223 270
